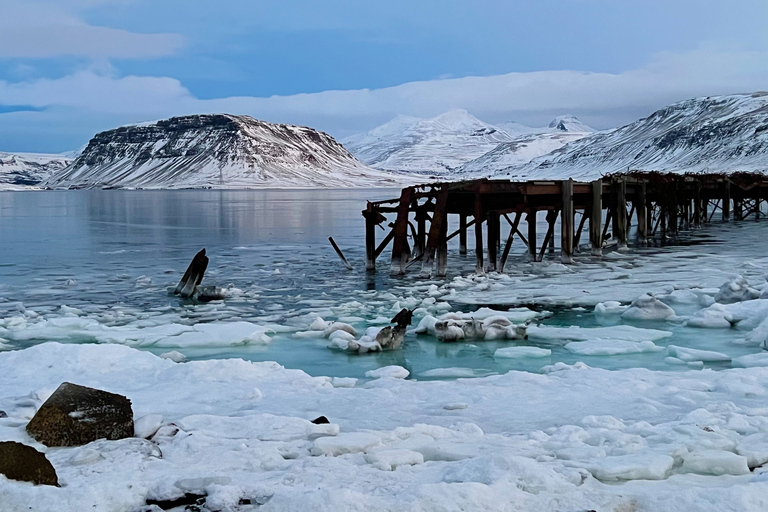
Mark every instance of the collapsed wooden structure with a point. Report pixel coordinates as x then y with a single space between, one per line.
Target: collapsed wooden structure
660 204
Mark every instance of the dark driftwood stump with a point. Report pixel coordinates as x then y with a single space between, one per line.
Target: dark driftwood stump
193 276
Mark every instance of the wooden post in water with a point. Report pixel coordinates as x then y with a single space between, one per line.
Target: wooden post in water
697 205
421 232
641 211
463 233
442 249
400 242
726 205
439 216
596 219
531 220
566 223
672 211
493 234
370 239
621 213
738 209
479 234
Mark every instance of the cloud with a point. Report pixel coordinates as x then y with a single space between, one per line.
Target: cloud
90 98
44 29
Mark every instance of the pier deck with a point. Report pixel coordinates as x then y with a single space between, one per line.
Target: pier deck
659 204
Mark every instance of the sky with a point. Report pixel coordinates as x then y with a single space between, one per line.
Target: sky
72 68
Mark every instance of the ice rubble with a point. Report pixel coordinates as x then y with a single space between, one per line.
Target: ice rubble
394 445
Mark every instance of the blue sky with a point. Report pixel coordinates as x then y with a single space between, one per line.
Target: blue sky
70 68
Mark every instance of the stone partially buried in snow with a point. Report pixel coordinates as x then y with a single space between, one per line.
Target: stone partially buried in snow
76 415
24 463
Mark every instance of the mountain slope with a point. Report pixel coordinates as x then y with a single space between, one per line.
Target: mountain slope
433 146
722 134
23 170
216 150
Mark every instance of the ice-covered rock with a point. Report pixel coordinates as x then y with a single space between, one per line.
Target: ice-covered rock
648 307
736 290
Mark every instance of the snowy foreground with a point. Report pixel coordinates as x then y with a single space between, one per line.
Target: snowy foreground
573 438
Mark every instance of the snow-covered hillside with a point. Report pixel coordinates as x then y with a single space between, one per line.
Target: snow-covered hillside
25 170
216 150
517 152
717 134
433 146
457 144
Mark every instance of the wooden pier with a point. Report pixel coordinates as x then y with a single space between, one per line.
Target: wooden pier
659 204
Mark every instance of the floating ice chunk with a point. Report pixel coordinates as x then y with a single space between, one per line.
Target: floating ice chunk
683 297
751 360
447 330
713 317
759 335
736 290
393 372
609 312
521 352
648 307
581 452
599 347
175 356
146 426
637 466
692 354
308 334
388 460
561 366
715 462
339 326
455 406
341 335
455 372
318 324
352 442
576 333
449 451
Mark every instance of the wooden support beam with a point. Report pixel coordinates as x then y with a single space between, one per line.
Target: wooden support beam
370 241
463 233
516 228
697 205
458 231
400 246
726 200
479 234
510 238
566 223
596 218
493 234
420 243
620 231
551 220
531 220
442 249
577 237
439 217
609 215
642 212
385 242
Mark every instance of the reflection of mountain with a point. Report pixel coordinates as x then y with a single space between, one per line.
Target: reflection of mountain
28 169
445 145
713 134
216 151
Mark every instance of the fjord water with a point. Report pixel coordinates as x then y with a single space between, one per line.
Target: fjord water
114 254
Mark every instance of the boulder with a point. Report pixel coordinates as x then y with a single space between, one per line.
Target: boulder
76 415
21 462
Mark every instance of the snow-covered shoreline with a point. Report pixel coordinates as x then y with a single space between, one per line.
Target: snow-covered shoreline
575 438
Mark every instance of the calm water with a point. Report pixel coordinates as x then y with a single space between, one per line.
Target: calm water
113 254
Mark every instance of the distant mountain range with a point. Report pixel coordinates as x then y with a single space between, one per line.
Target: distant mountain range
716 134
22 170
216 150
442 145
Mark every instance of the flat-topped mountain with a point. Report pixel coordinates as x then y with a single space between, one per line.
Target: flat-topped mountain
716 134
216 150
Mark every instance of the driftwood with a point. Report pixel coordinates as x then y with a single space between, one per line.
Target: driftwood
193 276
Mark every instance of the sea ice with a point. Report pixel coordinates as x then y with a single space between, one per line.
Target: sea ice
647 307
715 462
393 372
600 347
692 354
520 352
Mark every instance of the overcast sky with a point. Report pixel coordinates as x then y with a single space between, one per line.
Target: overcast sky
71 68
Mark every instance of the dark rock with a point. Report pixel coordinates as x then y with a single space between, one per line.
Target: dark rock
3 415
320 421
76 415
24 463
190 500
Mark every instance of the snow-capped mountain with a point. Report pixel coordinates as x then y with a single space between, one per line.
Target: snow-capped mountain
216 150
717 134
560 124
24 170
433 146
